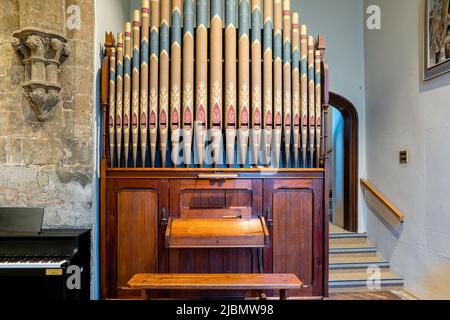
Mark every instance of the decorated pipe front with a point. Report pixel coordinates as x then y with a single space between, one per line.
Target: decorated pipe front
135 84
201 71
154 79
119 98
175 80
143 119
127 93
230 79
295 87
215 96
267 81
188 80
287 112
277 81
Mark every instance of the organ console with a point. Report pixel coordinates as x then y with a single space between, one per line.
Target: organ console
254 87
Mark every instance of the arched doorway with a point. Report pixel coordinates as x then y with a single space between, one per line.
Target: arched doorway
350 159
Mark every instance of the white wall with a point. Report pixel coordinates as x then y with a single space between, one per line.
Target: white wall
403 113
342 24
337 167
110 15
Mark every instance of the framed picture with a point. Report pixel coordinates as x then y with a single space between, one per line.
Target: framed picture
437 38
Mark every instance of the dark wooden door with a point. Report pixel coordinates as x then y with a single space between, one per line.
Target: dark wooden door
136 214
295 206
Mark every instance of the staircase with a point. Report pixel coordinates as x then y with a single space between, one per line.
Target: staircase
351 254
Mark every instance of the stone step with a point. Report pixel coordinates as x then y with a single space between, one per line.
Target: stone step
366 245
356 262
359 268
362 276
384 287
347 238
357 282
357 250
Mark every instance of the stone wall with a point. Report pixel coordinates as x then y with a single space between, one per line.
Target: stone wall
48 164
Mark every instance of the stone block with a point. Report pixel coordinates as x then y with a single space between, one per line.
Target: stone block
22 178
9 122
44 14
15 155
10 101
83 81
41 151
9 13
11 197
3 151
77 150
74 174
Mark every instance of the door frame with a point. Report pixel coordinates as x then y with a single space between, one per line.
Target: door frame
351 159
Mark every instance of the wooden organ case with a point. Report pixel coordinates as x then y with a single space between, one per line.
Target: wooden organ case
176 92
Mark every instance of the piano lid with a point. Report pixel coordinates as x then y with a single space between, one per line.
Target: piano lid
21 220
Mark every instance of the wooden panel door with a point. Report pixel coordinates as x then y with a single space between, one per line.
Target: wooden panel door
134 237
295 206
137 233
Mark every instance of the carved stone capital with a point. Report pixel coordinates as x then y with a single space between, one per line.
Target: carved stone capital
42 54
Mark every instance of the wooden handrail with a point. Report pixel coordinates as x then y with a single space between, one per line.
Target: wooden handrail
392 209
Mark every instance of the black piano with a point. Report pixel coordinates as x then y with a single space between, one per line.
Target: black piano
44 264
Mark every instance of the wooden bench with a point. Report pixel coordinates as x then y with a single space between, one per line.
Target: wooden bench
148 282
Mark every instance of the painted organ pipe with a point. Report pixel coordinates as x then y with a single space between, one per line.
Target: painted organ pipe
287 119
175 80
244 80
279 89
164 80
267 80
277 81
216 78
311 96
112 102
143 119
295 87
304 91
119 98
135 85
256 81
230 79
188 80
127 93
201 72
154 78
318 101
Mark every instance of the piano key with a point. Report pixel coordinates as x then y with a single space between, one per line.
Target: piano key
26 262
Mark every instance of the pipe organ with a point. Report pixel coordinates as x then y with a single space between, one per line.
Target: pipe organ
214 110
271 95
